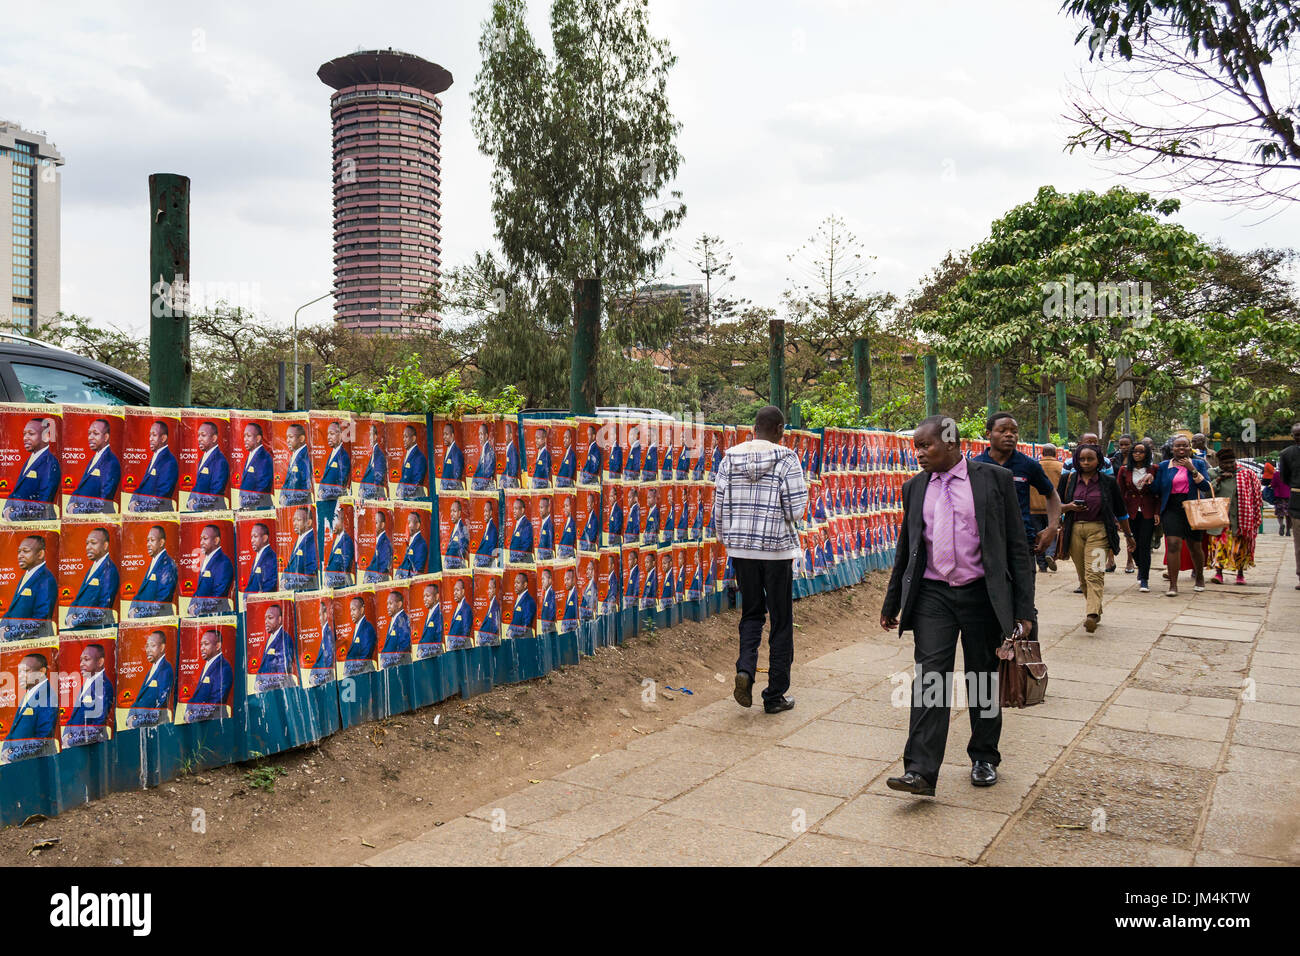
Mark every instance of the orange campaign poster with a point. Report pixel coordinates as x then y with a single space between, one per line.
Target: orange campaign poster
587 565
375 541
590 456
251 467
519 602
458 608
609 581
412 537
29 699
406 439
90 459
291 459
629 500
257 568
509 468
356 647
694 524
453 529
648 506
709 566
649 596
706 509
29 564
663 429
30 469
487 607
270 642
207 566
339 549
296 547
369 459
206 673
204 458
329 435
547 596
564 453
150 459
393 623
484 529
538 472
710 453
587 518
521 518
149 569
631 575
564 506
477 435
448 454
425 609
146 672
613 513
681 526
667 513
89 571
692 580
317 637
609 438
87 681
566 595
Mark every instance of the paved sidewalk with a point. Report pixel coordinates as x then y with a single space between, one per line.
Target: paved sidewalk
1171 736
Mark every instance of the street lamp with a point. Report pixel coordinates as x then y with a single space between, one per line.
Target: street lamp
295 343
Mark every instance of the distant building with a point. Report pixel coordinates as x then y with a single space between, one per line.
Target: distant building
29 228
691 296
387 187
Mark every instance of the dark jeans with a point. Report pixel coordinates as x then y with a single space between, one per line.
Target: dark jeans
1143 531
766 590
940 613
1040 522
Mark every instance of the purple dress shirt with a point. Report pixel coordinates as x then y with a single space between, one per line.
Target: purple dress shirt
965 544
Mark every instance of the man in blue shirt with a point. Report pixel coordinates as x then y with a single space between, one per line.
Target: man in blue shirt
1004 434
633 589
279 665
632 469
546 613
591 466
321 670
99 482
569 618
589 540
614 522
489 633
565 471
651 533
93 605
632 526
159 483
212 474
33 496
416 559
157 592
568 531
255 481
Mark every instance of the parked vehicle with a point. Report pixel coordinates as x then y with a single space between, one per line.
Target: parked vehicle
35 371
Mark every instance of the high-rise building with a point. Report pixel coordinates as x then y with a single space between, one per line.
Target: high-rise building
387 187
29 228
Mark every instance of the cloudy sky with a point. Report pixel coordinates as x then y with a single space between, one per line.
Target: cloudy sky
918 123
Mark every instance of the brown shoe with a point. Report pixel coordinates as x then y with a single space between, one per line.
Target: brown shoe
1090 623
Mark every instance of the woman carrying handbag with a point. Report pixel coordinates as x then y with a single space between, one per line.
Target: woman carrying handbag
1137 483
1180 478
1094 511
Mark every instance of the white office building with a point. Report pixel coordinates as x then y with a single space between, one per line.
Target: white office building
29 228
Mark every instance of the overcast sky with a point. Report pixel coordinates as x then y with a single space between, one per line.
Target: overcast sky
919 123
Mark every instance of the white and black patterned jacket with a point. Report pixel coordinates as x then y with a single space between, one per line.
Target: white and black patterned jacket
761 496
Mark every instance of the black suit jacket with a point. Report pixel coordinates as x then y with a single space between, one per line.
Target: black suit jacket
1004 549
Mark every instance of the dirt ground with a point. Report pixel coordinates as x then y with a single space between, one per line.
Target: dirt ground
369 787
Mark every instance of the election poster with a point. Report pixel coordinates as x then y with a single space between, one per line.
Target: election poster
30 468
90 459
509 458
375 541
339 548
609 581
629 498
631 576
453 530
251 467
519 602
667 578
706 510
692 581
29 564
567 598
649 556
480 451
150 573
484 529
648 505
564 455
709 566
329 435
356 650
393 622
257 569
207 564
609 438
150 462
694 521
270 642
412 534
668 437
588 517
296 547
587 564
712 454
726 573
537 452
87 675
546 598
448 454
425 610
680 516
687 451
204 458
406 440
522 517
369 458
614 513
487 607
29 699
591 457
146 672
458 608
291 459
667 513
89 571
565 505
205 687
317 637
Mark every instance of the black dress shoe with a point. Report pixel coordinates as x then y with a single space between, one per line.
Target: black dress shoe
911 782
983 774
744 689
778 705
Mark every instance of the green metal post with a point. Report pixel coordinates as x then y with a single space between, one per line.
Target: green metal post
995 387
169 275
931 385
862 370
796 415
1043 434
776 363
586 336
1062 411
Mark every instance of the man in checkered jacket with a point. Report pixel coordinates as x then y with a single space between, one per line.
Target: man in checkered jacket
760 497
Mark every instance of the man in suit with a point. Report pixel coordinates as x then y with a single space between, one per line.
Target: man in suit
453 461
697 472
568 530
416 559
278 667
569 618
589 540
521 535
545 530
297 475
667 520
37 716
359 658
380 567
263 576
415 467
510 475
615 466
216 575
33 496
524 612
614 524
489 634
613 590
591 466
157 591
92 715
565 471
961 566
546 613
683 460
374 483
650 581
431 637
259 472
542 466
695 587
154 698
322 668
632 526
336 476
651 533
632 469
213 473
97 488
669 595
456 553
682 531
93 605
485 472
302 573
159 482
397 643
489 549
587 605
30 611
341 568
215 680
460 630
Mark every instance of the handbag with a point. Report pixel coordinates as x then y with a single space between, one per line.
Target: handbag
1206 514
1022 675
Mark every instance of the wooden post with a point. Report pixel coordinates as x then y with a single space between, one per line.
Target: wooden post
931 385
586 338
995 388
169 300
862 370
1062 412
776 363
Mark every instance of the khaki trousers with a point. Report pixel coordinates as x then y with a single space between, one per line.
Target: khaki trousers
1089 550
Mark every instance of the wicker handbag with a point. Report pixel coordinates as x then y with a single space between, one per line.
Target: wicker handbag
1206 514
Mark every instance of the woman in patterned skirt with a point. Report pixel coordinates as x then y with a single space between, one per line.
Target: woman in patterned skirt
1234 548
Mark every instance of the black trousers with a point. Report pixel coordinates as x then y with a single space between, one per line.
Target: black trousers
940 613
766 590
1143 531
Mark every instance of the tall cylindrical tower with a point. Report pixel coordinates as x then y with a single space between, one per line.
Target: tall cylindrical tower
387 187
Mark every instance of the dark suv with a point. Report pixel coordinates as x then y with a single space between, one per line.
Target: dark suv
34 371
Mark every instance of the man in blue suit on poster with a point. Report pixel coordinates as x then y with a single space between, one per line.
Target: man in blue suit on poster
359 659
381 565
453 461
460 630
569 619
545 530
591 466
157 591
456 554
650 467
322 669
93 604
30 611
568 466
524 612
683 522
587 607
32 732
696 589
542 465
485 473
615 467
160 477
33 496
341 569
632 470
279 665
632 526
302 572
397 642
651 533
569 533
212 475
650 589
670 583
668 518
510 476
589 540
255 481
374 483
336 476
431 637
633 585
710 575
103 474
613 591
215 680
297 476
416 559
216 575
92 715
154 697
415 467
264 575
614 528
521 535
489 634
546 613
683 461
489 549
